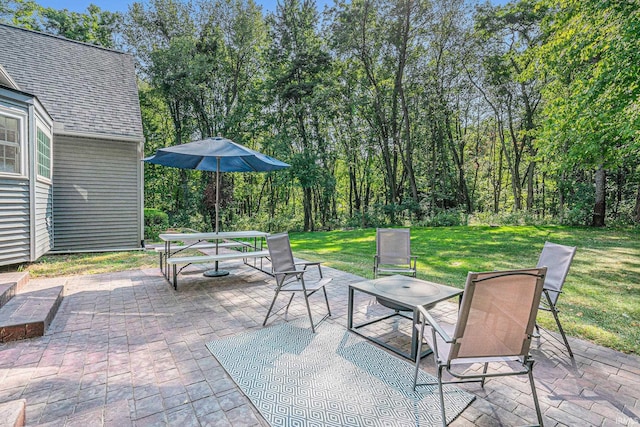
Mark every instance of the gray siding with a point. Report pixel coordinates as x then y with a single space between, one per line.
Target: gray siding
44 218
96 194
14 221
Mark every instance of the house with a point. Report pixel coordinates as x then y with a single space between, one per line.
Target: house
71 145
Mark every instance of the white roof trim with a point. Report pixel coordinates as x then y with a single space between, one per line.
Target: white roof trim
6 80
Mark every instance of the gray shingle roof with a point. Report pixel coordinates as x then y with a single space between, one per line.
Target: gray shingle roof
85 88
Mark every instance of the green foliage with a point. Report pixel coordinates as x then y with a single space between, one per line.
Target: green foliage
94 26
155 222
391 112
280 223
591 56
300 82
445 218
579 210
192 221
360 220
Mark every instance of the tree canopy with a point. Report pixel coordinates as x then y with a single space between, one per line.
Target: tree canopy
389 111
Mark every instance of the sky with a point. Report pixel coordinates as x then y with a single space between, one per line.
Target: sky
121 5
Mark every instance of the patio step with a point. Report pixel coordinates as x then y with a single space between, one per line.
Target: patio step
12 414
10 285
30 311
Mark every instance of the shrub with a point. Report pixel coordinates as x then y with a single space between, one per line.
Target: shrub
579 214
579 205
445 218
510 218
155 222
263 222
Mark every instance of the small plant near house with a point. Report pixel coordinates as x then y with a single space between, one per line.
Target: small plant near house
155 222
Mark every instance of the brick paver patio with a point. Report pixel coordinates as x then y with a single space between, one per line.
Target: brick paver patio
126 349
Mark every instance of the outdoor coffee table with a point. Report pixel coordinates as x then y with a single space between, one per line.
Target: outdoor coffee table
404 292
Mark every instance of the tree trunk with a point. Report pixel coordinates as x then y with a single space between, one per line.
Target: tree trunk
544 194
561 196
599 209
636 210
530 186
458 159
308 209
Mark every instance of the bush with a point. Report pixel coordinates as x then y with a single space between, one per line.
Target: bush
445 218
510 218
579 205
155 222
262 221
578 215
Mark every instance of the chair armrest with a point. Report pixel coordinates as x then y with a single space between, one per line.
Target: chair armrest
436 327
290 272
307 264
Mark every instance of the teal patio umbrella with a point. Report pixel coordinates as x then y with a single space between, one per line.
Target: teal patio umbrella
215 155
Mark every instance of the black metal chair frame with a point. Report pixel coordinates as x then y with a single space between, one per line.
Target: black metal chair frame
292 279
444 363
559 270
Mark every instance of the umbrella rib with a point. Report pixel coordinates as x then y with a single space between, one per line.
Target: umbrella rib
248 164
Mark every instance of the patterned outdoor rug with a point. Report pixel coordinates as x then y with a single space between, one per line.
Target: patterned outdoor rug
331 378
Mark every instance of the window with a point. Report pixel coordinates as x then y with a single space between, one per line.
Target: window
44 154
10 144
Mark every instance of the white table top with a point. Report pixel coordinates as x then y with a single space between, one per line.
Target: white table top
177 237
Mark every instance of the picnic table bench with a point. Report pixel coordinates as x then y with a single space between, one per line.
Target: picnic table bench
162 250
201 259
239 240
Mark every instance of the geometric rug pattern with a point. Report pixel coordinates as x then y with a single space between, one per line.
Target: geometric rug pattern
331 378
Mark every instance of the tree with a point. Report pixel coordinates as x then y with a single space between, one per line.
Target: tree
384 38
96 26
299 83
232 39
22 13
162 38
592 109
447 100
511 86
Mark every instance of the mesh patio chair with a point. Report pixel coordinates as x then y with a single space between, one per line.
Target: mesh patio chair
557 259
393 252
289 278
494 328
393 256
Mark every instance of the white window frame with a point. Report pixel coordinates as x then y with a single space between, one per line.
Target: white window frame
42 127
22 126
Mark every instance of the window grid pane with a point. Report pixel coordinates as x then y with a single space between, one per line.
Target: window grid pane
9 144
44 154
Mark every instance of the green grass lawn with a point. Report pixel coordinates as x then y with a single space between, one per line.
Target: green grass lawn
90 263
601 299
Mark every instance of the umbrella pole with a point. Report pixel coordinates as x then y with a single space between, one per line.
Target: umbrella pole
216 272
